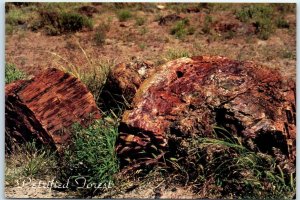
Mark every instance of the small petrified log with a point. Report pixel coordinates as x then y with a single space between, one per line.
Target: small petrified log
187 97
45 107
123 82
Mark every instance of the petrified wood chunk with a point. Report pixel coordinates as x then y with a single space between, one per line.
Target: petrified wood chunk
123 82
186 97
44 107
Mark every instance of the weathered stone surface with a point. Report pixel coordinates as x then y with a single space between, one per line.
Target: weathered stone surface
44 107
124 80
188 96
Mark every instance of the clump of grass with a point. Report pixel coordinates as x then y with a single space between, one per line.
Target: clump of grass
173 54
264 28
139 21
261 16
143 30
100 33
92 153
254 12
95 74
223 163
180 30
15 17
288 54
12 73
29 161
282 23
207 24
142 46
9 29
123 15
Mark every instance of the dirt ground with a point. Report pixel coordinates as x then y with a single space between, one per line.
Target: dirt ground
33 51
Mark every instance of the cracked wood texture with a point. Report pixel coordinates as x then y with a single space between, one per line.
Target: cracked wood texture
45 107
188 96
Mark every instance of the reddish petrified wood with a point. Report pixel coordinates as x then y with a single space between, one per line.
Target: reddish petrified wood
44 107
188 96
123 82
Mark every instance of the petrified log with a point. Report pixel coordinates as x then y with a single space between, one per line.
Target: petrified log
123 82
45 107
188 96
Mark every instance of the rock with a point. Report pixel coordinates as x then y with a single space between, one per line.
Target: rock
44 108
161 7
89 11
123 82
169 18
234 25
186 97
192 10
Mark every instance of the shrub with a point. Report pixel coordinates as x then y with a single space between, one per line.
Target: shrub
12 73
261 16
15 17
92 153
254 12
124 15
61 22
282 23
264 28
71 22
180 29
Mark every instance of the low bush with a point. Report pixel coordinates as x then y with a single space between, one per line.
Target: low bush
282 23
63 22
264 28
261 16
12 73
124 15
181 29
15 17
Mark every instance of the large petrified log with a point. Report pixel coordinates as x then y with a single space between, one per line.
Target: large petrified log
44 107
186 97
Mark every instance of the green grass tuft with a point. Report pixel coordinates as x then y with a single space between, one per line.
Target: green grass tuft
92 153
12 73
29 160
123 15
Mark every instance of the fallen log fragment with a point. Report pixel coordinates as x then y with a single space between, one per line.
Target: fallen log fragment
187 97
45 107
123 82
